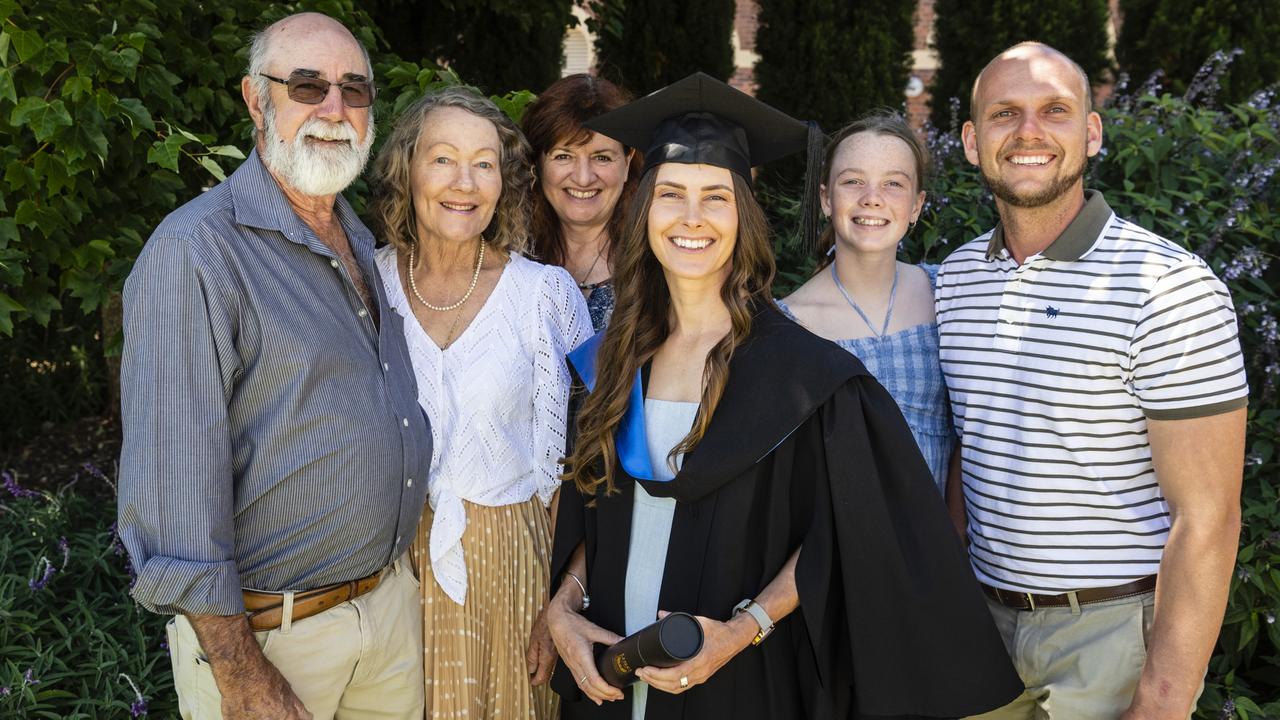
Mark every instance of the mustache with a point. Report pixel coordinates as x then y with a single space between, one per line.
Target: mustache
322 130
1026 147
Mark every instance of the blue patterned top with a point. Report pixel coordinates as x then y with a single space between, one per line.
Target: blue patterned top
599 303
906 364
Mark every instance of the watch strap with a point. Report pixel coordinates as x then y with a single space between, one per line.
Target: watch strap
757 613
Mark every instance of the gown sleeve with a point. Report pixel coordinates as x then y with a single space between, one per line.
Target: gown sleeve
898 624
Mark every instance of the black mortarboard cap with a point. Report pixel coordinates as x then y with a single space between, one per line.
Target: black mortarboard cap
701 120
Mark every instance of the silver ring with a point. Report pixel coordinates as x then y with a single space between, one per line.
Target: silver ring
684 681
582 679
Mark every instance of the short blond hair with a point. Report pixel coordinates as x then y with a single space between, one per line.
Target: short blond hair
392 206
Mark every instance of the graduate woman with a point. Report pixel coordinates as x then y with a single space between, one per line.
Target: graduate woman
732 465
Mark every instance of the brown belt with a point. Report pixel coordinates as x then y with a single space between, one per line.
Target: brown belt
265 610
1031 601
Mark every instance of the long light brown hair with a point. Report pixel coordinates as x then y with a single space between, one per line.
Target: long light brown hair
556 119
642 320
391 208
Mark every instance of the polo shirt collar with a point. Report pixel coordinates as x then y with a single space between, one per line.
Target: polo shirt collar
260 203
1078 237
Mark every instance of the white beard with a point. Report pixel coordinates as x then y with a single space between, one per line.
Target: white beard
316 169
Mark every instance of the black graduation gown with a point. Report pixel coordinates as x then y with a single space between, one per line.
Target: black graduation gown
805 449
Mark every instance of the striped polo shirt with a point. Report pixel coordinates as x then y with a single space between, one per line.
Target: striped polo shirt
1053 367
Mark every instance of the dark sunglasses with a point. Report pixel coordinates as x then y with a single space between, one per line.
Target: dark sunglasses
312 91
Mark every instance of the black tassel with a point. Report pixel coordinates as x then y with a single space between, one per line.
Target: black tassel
809 224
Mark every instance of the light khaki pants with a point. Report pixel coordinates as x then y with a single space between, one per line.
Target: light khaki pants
359 660
1080 664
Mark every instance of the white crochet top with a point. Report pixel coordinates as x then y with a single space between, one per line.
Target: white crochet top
497 399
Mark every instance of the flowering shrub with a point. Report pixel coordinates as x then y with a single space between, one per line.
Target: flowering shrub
72 642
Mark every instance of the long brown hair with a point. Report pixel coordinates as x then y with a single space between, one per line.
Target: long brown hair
641 322
391 207
556 119
883 122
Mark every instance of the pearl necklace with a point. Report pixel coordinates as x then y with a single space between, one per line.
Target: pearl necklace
475 277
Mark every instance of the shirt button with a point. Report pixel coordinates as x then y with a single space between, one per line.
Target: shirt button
333 264
409 483
362 312
406 422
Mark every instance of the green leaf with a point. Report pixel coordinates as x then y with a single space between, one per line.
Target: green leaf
139 116
208 164
228 150
8 232
44 118
165 153
6 85
8 306
4 49
77 87
27 44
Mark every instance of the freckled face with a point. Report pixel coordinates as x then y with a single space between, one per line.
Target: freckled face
872 195
456 178
583 182
1032 134
693 220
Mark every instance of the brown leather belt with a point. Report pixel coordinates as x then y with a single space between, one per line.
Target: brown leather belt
1031 601
265 610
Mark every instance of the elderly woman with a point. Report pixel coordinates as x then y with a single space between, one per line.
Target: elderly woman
862 298
581 185
731 465
487 330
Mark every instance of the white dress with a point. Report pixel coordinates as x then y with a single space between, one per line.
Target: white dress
497 399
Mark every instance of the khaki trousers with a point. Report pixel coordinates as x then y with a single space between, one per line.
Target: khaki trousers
1077 664
359 660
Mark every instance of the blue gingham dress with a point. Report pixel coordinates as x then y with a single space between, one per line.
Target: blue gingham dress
906 364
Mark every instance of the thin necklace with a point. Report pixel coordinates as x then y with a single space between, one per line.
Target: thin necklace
475 277
584 285
893 291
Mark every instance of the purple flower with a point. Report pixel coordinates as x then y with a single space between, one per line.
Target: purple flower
28 678
16 490
43 580
65 547
5 691
1228 709
139 707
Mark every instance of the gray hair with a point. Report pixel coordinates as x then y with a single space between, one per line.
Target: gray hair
391 207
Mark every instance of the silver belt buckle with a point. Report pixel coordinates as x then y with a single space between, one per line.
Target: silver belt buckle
1031 600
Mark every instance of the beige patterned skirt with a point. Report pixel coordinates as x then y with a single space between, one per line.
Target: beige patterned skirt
474 653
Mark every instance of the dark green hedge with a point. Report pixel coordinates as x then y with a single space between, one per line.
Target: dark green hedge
644 45
968 34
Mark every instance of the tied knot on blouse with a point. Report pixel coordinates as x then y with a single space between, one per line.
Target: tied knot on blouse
497 398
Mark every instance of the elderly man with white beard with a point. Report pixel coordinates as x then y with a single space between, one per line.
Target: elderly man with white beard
274 460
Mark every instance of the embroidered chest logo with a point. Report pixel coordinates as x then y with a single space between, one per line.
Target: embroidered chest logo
1050 312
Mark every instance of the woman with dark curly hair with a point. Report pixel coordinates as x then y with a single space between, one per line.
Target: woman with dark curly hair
582 183
487 331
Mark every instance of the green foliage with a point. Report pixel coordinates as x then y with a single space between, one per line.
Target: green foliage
68 631
1172 35
968 35
859 70
643 45
495 44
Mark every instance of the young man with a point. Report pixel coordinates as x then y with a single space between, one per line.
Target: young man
1098 387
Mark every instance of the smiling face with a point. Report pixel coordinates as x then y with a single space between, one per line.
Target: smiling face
316 149
693 221
455 177
873 194
583 182
1032 132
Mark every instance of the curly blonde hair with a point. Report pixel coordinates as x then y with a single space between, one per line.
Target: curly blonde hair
392 206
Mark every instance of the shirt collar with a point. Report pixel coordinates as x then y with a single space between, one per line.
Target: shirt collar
259 202
1076 240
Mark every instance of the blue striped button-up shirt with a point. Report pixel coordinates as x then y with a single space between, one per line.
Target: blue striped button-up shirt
272 437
